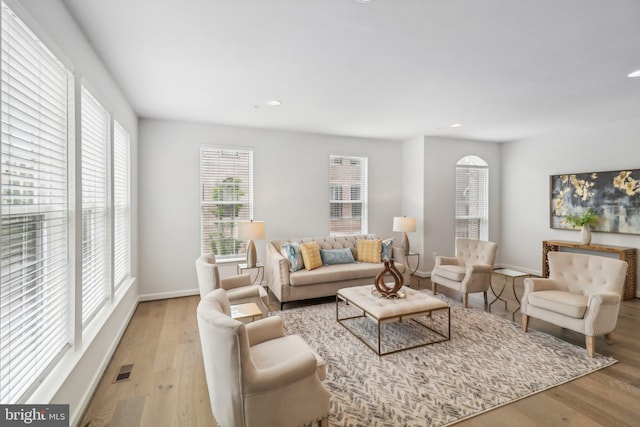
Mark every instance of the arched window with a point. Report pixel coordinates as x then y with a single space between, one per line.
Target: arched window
472 198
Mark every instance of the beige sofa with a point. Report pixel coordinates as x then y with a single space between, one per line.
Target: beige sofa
324 281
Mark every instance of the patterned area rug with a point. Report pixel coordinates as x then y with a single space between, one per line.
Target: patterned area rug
487 363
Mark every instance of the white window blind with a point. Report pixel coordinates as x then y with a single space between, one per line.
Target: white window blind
121 222
347 195
226 191
35 280
95 244
472 198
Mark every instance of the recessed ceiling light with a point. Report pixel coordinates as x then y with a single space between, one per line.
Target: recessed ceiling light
274 103
364 1
455 125
634 74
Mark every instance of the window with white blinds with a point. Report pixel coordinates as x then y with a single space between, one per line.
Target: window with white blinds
95 243
121 209
35 279
226 194
347 195
472 198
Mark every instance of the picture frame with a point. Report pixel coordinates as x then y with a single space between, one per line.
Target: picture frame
613 195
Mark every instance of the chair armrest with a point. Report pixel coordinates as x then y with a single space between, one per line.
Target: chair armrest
604 298
479 268
533 284
235 281
447 260
275 377
264 330
244 293
602 313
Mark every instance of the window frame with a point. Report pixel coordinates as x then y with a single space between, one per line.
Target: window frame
217 167
475 216
37 135
348 215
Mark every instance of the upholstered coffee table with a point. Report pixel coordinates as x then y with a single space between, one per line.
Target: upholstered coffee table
381 310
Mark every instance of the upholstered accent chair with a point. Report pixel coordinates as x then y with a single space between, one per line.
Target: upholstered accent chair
239 288
467 272
583 293
257 375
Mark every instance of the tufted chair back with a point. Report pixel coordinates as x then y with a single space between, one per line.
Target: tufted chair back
586 274
473 252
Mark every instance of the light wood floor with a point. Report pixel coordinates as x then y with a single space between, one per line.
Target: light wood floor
167 386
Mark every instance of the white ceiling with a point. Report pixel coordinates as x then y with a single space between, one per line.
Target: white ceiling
505 69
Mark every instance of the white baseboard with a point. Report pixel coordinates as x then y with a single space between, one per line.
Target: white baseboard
167 295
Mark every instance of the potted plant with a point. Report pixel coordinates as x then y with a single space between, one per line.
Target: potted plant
584 221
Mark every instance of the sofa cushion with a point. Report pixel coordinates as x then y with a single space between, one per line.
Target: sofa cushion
311 255
369 250
335 273
451 272
386 254
291 251
336 256
561 302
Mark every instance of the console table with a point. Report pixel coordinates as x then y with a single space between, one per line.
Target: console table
626 254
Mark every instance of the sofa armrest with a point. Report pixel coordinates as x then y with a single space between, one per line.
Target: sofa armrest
277 270
264 330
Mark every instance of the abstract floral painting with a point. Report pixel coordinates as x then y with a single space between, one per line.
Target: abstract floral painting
614 195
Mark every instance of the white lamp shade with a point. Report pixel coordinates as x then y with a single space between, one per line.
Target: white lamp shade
405 224
251 230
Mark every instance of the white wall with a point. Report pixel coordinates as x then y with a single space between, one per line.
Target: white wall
74 379
440 158
413 196
291 192
527 166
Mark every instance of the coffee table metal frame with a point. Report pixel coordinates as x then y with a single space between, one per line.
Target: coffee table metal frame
400 318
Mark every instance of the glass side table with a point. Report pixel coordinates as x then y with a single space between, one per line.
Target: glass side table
259 274
412 255
507 274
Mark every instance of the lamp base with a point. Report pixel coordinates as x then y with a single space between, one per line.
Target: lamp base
251 255
405 244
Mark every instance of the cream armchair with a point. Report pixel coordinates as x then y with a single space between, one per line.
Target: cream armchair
469 271
239 288
256 375
582 293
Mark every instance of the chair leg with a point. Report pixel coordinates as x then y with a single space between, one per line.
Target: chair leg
485 297
591 346
324 422
525 323
609 338
433 287
465 300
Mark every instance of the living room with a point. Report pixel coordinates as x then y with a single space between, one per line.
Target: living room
592 129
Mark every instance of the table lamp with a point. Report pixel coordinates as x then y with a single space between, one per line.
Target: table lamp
251 230
405 225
